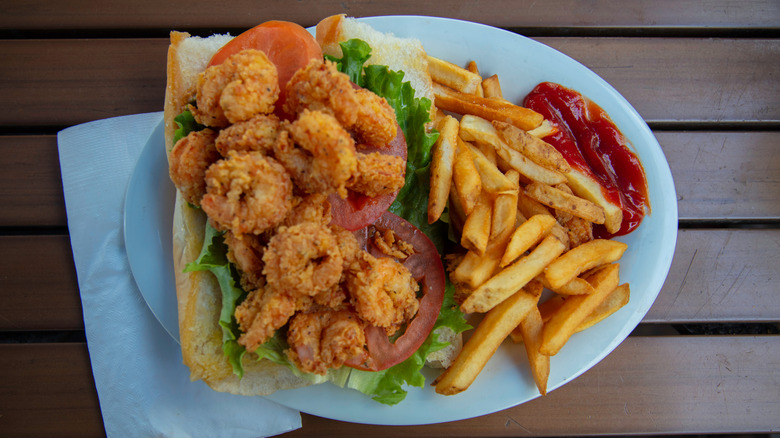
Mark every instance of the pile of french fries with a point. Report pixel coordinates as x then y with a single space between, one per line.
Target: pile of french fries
525 222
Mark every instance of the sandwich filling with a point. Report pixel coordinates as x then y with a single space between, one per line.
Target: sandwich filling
298 288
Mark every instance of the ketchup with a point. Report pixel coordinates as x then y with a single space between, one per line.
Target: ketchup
592 144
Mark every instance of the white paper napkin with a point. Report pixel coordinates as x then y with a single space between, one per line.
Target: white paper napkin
144 388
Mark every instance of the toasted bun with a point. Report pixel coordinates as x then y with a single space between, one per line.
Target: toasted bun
198 294
400 54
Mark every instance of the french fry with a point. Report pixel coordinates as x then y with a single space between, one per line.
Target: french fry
472 67
527 167
505 208
587 188
484 342
560 200
475 269
456 212
587 256
454 101
548 308
441 167
476 229
512 277
453 76
473 128
614 302
531 328
525 236
537 150
575 286
468 184
493 180
563 323
491 88
545 129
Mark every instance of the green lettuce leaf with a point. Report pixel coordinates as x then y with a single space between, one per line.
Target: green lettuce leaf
185 123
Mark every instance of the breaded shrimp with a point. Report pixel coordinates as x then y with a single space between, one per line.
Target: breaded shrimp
247 192
245 85
256 134
383 292
375 123
246 252
348 246
378 174
303 259
319 154
312 208
320 86
322 340
264 311
189 159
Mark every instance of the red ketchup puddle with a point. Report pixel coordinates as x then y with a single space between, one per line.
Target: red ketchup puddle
592 144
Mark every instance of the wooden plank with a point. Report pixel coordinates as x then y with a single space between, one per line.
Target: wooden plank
31 181
731 79
648 385
48 390
724 175
718 175
38 285
145 14
716 276
719 276
720 80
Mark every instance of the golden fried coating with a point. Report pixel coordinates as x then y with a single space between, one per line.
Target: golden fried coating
375 123
382 291
377 174
247 192
246 252
322 340
303 259
312 208
319 154
321 87
256 134
245 85
188 161
263 312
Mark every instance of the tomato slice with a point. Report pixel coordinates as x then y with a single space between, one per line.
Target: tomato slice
288 45
426 267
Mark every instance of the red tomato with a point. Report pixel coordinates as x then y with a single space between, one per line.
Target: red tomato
426 267
288 45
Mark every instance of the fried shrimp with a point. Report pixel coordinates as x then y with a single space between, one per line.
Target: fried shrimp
244 85
303 259
256 134
348 245
375 123
322 340
189 159
319 154
378 174
246 252
312 208
247 192
264 311
321 87
383 292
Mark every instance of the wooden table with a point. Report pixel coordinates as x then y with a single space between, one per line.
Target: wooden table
704 74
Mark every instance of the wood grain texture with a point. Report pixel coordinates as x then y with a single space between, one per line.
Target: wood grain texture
145 14
647 385
721 275
65 82
716 276
31 181
38 285
724 175
48 390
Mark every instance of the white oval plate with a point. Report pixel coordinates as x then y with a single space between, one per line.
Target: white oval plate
506 381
